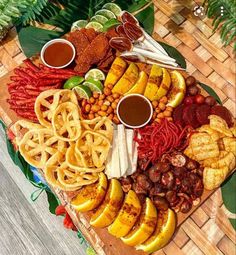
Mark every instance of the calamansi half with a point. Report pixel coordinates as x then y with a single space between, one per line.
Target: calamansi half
165 229
91 195
144 226
108 210
127 216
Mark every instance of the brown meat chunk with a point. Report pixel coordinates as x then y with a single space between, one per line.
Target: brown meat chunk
90 33
79 40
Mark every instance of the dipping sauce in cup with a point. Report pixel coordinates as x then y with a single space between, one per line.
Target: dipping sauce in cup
58 53
134 111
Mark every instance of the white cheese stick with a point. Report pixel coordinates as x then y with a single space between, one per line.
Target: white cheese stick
135 157
123 153
113 163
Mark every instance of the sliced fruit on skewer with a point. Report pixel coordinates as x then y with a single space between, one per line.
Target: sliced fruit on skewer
166 224
144 227
108 210
154 82
91 196
127 81
127 216
178 89
140 85
117 69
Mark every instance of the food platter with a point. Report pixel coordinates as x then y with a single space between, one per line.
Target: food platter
9 118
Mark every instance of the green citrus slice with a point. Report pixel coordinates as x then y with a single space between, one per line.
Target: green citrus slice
110 23
99 18
113 7
95 86
106 13
95 25
95 74
82 91
79 24
73 82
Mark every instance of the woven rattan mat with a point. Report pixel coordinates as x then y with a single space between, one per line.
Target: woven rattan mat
208 230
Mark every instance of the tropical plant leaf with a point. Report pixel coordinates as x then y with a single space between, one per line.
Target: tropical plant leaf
146 18
32 38
210 91
52 201
174 53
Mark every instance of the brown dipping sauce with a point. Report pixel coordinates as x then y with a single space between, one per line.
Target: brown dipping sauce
58 54
134 110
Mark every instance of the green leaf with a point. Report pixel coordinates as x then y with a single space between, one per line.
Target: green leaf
52 201
174 53
32 38
147 19
228 196
210 91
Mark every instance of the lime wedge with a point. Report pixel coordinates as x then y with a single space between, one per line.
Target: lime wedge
82 91
113 7
108 14
79 24
110 23
95 25
95 74
95 86
73 82
99 18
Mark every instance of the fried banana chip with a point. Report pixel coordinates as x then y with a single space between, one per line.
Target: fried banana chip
66 122
212 178
225 159
220 125
230 144
215 135
201 147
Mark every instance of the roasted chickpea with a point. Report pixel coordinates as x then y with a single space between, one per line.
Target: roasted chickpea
102 96
110 98
102 113
110 86
169 118
104 108
110 116
115 119
167 113
116 95
91 116
114 105
107 103
164 100
107 91
95 108
91 100
109 110
87 108
117 100
157 110
100 102
95 95
160 115
162 106
154 103
169 108
154 115
83 102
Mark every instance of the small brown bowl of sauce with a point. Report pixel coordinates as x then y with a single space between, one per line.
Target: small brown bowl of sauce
58 53
134 111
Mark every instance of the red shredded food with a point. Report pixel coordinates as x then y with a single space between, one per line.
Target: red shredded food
155 140
29 81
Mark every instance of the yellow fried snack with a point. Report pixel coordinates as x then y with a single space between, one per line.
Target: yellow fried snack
76 160
94 148
72 179
102 125
66 122
21 126
201 147
230 144
48 101
39 145
215 135
220 125
212 178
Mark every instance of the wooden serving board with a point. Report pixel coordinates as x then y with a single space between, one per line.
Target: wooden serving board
100 239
